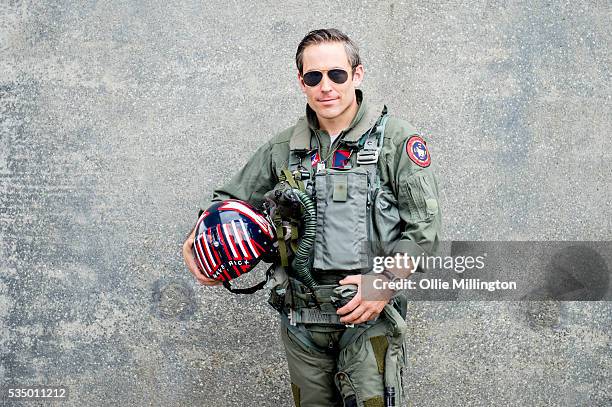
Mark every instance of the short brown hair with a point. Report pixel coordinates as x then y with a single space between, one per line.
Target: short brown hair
327 35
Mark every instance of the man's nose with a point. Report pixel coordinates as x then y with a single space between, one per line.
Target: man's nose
325 83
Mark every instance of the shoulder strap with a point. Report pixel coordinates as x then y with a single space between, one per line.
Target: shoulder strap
299 145
370 145
371 142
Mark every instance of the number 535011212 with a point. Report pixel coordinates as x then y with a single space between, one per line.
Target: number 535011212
35 392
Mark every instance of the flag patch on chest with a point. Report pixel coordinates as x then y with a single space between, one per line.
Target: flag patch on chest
315 158
341 158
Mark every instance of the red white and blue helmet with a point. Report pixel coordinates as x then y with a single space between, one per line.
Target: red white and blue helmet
231 237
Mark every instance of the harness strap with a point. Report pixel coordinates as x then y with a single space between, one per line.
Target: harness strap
302 334
292 179
367 147
313 316
367 156
293 224
299 148
294 236
282 246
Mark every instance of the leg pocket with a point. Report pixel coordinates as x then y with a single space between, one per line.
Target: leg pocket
360 370
311 372
373 364
347 390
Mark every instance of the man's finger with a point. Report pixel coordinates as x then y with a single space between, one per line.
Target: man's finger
193 267
350 306
208 281
353 316
352 279
365 317
202 279
190 262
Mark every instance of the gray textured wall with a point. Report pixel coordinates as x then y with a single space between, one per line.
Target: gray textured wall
110 110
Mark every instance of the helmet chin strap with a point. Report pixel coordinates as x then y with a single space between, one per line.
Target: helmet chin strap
249 290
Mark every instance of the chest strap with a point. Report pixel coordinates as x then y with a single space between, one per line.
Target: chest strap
368 148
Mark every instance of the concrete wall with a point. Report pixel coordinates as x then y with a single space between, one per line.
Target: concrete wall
118 118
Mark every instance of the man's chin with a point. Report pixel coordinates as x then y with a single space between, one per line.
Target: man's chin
329 113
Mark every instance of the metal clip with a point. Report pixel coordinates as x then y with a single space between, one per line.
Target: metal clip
369 143
292 317
367 157
300 174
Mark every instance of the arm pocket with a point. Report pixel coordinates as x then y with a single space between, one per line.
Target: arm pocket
416 196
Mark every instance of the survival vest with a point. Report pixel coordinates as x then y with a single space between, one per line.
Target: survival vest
355 217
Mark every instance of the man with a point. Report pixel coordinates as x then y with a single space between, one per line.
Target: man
381 188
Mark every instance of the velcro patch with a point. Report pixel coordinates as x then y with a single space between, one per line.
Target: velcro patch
315 158
380 345
295 390
341 158
417 151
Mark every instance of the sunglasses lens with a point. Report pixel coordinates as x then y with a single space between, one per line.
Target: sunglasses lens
312 78
338 75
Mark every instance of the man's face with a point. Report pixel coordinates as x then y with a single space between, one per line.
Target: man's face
329 99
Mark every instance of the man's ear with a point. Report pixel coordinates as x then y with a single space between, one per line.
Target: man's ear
301 82
358 74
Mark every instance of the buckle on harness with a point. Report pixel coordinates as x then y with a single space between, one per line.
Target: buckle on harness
367 157
301 174
313 316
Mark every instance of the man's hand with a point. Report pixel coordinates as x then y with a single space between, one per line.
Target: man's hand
191 262
357 310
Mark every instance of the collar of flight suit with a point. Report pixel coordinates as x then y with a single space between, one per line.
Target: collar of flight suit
366 117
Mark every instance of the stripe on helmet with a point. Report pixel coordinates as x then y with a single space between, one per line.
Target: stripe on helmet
235 205
206 262
247 237
200 256
239 240
225 244
208 251
214 249
229 240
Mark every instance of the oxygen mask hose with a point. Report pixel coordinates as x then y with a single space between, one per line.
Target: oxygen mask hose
301 261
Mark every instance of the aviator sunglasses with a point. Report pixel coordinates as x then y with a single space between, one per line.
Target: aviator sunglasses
313 78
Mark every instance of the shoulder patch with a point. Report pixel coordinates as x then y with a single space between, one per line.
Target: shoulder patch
417 151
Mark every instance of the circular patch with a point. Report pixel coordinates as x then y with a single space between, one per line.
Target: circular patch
417 151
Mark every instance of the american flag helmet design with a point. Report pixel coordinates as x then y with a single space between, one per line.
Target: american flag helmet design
231 238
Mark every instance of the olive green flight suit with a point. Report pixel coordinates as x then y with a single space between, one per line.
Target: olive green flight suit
336 365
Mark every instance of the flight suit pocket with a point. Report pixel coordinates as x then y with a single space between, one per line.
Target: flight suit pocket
416 196
347 389
362 361
342 235
386 223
